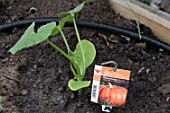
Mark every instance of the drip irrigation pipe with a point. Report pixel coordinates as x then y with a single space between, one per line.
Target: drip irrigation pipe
40 21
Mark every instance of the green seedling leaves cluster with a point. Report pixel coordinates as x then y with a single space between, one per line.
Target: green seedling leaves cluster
80 58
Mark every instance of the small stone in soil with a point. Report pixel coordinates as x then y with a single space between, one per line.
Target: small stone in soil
113 36
35 66
9 8
11 59
7 46
153 58
141 45
127 38
161 50
148 70
72 96
14 18
59 70
24 92
79 104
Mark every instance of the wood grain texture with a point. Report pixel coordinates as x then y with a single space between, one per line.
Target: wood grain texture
157 20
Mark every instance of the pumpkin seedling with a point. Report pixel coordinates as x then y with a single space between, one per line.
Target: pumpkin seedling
80 58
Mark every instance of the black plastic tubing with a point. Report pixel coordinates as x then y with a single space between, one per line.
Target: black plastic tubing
40 21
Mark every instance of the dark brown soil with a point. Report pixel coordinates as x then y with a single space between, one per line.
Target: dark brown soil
42 73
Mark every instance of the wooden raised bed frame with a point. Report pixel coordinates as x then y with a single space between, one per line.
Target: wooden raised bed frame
158 21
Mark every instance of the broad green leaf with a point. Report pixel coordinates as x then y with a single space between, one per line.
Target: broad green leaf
79 59
30 37
89 53
76 85
79 7
75 10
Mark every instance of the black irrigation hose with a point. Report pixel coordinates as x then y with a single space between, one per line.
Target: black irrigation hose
24 23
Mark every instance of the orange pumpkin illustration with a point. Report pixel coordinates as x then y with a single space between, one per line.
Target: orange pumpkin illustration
114 95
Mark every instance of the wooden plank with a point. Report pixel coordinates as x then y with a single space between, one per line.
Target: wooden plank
157 20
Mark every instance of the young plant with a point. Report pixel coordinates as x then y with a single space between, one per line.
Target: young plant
136 20
80 58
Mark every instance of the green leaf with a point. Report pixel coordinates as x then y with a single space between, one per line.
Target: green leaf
71 54
30 37
68 18
89 53
78 8
87 1
76 85
55 31
75 10
61 24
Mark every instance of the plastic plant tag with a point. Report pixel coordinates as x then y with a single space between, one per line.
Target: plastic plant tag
109 87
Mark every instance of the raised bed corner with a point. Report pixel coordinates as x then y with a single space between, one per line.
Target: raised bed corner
158 21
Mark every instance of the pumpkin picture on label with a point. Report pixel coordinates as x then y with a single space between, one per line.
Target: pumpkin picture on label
112 95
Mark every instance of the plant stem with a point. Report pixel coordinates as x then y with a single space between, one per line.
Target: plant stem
73 71
77 33
78 37
64 38
61 51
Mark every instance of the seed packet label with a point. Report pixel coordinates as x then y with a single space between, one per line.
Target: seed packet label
109 87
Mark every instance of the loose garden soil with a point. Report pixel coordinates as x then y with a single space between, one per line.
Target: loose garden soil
41 73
